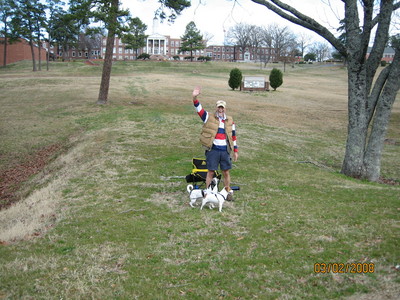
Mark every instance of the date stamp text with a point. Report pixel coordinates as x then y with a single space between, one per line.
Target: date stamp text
344 268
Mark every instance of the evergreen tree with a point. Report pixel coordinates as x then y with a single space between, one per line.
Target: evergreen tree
192 40
275 78
135 38
53 7
28 23
7 12
64 30
235 78
310 56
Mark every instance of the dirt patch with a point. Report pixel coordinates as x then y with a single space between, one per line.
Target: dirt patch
12 179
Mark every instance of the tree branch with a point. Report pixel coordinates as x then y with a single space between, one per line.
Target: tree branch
376 19
376 92
381 38
291 14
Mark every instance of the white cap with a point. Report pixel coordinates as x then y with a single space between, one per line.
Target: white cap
220 103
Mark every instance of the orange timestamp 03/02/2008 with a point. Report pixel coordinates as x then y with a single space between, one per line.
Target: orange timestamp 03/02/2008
344 268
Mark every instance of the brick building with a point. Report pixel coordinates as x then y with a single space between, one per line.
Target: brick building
18 51
388 54
161 47
236 53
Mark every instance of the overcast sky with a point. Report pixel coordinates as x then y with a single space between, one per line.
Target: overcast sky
215 17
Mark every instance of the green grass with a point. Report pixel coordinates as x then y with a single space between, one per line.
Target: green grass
120 226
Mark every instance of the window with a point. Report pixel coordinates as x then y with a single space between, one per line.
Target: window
73 54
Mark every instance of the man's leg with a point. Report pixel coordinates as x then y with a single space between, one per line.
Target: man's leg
209 177
227 179
227 184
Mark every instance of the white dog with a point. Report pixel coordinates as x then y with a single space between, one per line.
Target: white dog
215 198
194 194
197 194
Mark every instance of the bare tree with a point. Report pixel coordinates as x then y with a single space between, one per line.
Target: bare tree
304 41
239 35
207 37
283 41
266 39
369 102
88 41
322 50
256 42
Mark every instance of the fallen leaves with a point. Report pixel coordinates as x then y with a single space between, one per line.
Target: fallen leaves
12 178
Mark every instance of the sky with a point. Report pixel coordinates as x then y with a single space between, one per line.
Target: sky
216 17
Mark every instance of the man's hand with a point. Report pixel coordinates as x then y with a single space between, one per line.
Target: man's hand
235 156
196 92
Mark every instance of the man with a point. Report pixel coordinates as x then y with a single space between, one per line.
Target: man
218 136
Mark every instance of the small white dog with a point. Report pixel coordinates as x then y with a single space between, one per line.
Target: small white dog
215 198
194 194
197 194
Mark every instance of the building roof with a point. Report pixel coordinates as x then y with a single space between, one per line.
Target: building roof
157 36
388 50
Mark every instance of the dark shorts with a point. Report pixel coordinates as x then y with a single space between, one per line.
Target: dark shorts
215 158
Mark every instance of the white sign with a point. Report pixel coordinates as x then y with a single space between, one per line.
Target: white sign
254 82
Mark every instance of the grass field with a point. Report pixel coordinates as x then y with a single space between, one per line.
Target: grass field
107 217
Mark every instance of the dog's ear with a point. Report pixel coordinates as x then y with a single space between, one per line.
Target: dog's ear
202 193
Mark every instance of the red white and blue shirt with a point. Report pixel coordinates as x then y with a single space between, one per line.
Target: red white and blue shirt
220 142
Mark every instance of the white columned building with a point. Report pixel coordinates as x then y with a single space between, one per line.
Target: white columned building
156 44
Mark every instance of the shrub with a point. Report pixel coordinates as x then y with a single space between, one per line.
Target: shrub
275 78
204 58
383 63
176 57
144 56
235 78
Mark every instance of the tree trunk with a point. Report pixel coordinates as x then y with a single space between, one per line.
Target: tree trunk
48 53
373 154
363 153
40 55
5 51
357 128
33 55
106 74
